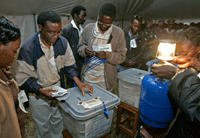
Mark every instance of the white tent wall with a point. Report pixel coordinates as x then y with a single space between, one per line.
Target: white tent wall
22 12
26 25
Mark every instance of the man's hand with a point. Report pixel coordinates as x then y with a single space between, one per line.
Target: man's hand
166 71
82 86
195 63
89 51
131 63
182 61
47 92
102 54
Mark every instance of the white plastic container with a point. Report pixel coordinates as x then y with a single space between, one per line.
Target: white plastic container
88 123
130 85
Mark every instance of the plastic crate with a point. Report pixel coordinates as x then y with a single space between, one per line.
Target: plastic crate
92 122
130 85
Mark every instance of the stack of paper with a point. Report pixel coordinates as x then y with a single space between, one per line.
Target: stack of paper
62 94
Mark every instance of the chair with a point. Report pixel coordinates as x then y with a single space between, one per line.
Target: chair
120 123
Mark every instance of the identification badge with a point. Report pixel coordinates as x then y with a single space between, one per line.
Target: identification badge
133 43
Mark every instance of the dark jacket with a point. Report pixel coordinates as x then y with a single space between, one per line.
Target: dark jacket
135 54
32 73
71 34
184 93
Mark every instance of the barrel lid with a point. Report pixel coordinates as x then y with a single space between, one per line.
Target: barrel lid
85 107
132 75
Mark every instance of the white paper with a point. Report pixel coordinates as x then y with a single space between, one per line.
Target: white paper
22 98
104 47
62 94
64 97
133 43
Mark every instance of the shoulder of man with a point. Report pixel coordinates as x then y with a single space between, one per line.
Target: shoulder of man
89 26
30 42
68 26
117 29
126 30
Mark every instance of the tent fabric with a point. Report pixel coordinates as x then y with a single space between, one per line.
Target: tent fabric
25 11
177 9
155 9
125 8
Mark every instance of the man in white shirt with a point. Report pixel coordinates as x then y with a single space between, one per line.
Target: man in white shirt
72 32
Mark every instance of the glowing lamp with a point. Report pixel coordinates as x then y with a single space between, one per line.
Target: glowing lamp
166 50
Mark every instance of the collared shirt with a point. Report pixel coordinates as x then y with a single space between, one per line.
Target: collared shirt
74 25
49 55
134 37
95 70
160 34
172 30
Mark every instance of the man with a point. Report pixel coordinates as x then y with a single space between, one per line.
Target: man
151 42
135 44
103 45
170 29
184 92
180 32
72 32
42 62
147 33
159 31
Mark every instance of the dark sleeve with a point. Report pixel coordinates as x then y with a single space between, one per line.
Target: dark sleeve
140 58
66 32
26 76
69 63
185 90
71 71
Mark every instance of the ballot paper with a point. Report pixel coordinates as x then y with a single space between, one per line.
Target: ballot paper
22 98
62 94
103 47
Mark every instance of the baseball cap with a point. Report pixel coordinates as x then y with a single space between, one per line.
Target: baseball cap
161 20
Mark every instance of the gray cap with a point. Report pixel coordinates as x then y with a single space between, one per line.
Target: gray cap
161 20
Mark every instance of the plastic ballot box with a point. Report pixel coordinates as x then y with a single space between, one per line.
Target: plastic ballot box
91 115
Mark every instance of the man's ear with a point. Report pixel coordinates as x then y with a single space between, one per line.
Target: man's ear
40 27
75 15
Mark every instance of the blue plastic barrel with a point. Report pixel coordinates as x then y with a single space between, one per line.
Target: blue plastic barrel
155 108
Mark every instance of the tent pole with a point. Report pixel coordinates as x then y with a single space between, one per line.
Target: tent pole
34 22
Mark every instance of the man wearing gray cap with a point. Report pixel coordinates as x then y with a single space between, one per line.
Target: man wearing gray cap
159 30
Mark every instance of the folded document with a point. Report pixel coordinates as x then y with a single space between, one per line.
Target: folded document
62 94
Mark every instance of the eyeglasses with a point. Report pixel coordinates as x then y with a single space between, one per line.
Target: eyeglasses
81 16
100 23
52 33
